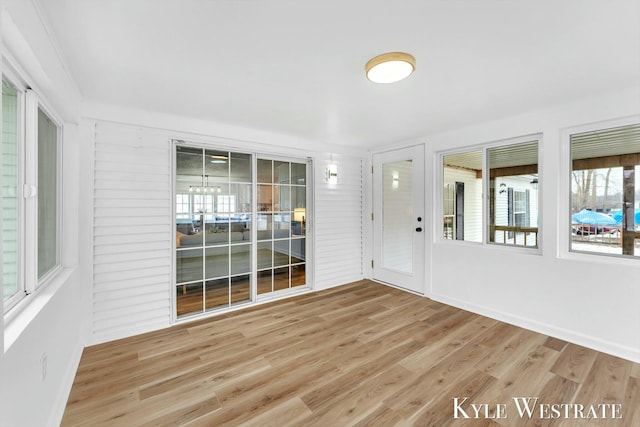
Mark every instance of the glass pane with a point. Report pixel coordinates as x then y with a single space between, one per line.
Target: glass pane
298 197
298 275
240 286
240 167
280 278
217 293
217 262
397 220
282 196
265 255
10 242
188 299
216 166
264 171
298 173
240 259
189 265
297 250
281 225
513 194
265 281
265 198
265 226
281 172
605 191
280 252
462 196
240 198
245 223
47 194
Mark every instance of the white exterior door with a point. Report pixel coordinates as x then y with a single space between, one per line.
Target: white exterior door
399 224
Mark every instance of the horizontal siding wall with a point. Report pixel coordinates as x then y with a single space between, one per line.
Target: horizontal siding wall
132 231
338 222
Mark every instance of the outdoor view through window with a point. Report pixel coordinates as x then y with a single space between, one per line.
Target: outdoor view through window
605 191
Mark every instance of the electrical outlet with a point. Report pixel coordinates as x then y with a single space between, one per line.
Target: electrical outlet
43 364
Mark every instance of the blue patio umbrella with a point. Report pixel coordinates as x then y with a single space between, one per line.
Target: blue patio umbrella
586 216
617 215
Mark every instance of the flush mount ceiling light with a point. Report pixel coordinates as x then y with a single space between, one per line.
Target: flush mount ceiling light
390 67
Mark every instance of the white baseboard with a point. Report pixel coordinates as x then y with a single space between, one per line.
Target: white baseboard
609 347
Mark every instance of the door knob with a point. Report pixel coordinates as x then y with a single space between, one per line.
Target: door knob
419 229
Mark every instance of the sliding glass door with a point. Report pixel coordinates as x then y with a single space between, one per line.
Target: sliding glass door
281 225
221 260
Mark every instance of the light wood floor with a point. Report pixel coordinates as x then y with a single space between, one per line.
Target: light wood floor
361 354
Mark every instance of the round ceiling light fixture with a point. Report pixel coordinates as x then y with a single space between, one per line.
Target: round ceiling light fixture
390 67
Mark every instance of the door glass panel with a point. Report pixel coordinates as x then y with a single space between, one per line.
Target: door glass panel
240 289
265 255
240 259
280 278
240 167
298 275
217 262
265 172
265 279
189 299
217 293
397 216
213 206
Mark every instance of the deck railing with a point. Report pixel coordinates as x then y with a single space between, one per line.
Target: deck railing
516 235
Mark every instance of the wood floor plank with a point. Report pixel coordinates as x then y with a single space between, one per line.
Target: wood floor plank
360 354
574 363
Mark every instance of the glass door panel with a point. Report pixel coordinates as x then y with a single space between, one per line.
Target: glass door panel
397 216
217 259
282 203
213 229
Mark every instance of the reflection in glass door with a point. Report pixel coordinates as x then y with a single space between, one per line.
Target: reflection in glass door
281 225
213 229
220 259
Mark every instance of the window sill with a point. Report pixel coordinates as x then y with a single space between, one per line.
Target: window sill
17 320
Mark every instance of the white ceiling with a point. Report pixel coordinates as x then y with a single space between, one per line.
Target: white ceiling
297 66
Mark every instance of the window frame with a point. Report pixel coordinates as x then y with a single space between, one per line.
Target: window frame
21 292
565 223
30 104
439 235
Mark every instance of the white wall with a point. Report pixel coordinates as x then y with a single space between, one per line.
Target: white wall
52 324
132 248
588 299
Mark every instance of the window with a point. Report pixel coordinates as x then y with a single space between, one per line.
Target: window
513 199
31 159
11 169
48 218
462 198
605 191
511 189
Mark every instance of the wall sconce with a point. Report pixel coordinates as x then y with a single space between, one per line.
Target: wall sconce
503 188
332 174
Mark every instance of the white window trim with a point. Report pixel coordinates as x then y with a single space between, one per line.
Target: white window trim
28 190
563 249
484 148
